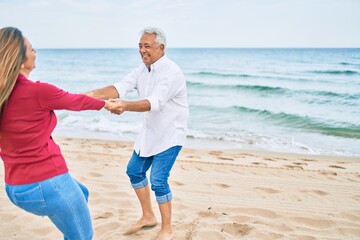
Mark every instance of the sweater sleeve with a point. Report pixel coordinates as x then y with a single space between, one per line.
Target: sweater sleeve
52 98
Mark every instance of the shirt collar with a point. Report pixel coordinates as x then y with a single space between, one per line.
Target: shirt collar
21 77
156 65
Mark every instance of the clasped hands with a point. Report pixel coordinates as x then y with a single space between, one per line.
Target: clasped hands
115 106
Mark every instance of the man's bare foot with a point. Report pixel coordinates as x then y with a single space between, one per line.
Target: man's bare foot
165 235
143 222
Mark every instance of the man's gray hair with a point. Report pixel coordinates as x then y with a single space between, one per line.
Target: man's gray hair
160 35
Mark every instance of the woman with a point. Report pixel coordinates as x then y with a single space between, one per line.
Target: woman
36 175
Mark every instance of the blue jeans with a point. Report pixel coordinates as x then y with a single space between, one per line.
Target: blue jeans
161 165
62 199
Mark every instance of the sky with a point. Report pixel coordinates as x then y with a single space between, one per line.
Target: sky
187 23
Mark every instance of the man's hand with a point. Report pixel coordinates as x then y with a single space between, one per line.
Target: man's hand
116 106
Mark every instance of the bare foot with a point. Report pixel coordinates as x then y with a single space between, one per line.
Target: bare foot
165 235
144 222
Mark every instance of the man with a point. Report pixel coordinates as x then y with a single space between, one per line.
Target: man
161 87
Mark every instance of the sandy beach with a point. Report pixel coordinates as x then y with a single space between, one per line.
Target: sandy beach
218 194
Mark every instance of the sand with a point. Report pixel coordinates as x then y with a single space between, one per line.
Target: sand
218 194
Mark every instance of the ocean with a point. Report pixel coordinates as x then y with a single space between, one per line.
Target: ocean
282 100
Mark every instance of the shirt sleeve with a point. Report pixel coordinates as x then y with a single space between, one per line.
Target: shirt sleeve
51 97
128 84
168 86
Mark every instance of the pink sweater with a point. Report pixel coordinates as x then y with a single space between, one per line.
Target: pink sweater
26 146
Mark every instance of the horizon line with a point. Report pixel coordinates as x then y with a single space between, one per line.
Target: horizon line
104 48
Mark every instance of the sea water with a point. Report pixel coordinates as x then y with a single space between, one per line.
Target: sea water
285 100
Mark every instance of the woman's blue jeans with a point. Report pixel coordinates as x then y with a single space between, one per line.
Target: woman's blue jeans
161 165
62 199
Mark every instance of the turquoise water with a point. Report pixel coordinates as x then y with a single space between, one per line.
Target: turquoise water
287 100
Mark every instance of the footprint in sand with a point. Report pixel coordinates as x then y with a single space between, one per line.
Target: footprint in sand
183 168
238 156
294 167
225 158
216 153
247 155
176 183
104 215
200 169
236 229
268 190
241 218
222 185
327 173
260 164
191 229
208 214
317 192
300 164
356 197
308 160
335 166
95 174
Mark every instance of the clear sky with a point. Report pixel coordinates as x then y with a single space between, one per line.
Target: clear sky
187 23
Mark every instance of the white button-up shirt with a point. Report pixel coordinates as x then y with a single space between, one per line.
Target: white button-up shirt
164 86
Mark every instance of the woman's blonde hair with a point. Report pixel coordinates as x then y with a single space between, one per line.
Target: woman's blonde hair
12 56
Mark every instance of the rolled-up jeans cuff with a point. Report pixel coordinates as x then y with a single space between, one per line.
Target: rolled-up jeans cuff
165 198
141 184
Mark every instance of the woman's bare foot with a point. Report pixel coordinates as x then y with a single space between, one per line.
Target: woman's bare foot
165 235
142 223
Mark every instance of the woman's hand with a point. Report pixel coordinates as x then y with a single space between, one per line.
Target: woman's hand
116 106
